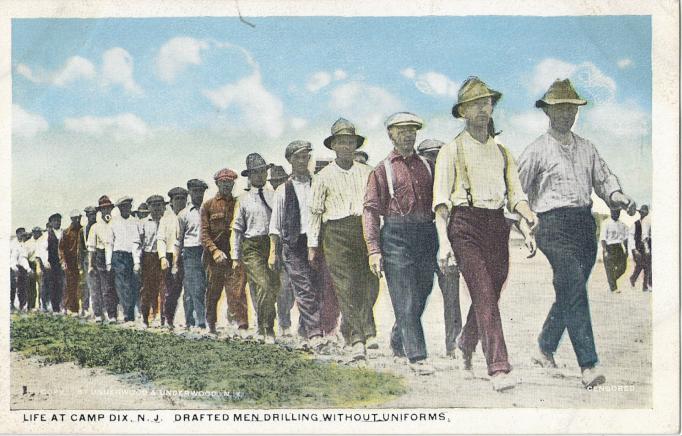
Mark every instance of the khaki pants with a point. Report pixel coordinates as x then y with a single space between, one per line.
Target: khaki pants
255 253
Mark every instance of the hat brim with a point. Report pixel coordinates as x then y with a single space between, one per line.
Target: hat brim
245 173
98 208
551 101
360 140
496 96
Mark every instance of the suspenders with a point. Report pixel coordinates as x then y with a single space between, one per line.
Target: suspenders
389 176
464 175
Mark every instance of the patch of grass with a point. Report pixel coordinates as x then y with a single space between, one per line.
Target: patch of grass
266 375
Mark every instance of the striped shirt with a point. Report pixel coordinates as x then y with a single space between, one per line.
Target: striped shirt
563 175
336 193
485 168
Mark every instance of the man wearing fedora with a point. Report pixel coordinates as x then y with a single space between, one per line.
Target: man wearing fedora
70 255
289 240
641 250
53 276
250 232
152 275
188 248
336 207
448 282
475 177
125 258
285 299
559 171
221 272
104 298
400 189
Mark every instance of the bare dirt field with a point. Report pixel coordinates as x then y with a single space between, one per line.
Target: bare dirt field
621 322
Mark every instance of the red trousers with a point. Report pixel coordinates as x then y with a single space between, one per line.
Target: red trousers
71 297
480 241
152 283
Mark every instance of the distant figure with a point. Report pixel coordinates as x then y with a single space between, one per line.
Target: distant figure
641 250
360 156
71 249
152 274
91 216
19 268
103 294
53 276
34 274
614 241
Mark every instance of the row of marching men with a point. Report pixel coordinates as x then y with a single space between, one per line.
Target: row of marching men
444 210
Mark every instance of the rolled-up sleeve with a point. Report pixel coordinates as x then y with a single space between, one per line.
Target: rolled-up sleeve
515 191
604 181
373 208
316 210
444 176
277 212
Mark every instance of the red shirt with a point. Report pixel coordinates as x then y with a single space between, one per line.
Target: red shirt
412 190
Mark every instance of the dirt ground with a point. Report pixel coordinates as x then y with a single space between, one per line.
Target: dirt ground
621 322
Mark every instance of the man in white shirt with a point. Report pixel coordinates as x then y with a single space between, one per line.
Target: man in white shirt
18 268
152 275
167 237
53 276
34 273
614 236
98 243
641 250
125 259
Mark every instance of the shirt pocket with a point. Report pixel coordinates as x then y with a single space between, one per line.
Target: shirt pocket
217 222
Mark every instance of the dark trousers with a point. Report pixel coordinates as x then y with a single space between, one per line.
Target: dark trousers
255 253
329 304
567 238
642 263
480 241
306 283
122 268
171 289
356 287
152 283
192 275
104 298
230 276
32 287
614 264
409 255
285 300
53 283
452 313
19 286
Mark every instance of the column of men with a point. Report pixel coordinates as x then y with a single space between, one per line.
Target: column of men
326 240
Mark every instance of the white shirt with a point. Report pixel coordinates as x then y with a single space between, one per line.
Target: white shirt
614 232
41 250
31 247
189 227
13 253
167 235
100 239
125 236
303 192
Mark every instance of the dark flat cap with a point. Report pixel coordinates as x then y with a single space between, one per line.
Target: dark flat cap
196 183
177 191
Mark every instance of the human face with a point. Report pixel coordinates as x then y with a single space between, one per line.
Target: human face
643 213
178 203
37 234
92 217
561 116
225 187
125 209
431 155
477 112
258 177
344 146
299 162
157 209
56 223
75 221
106 213
403 138
142 215
197 195
615 214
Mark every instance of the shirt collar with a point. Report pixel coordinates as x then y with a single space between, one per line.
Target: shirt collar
393 155
488 141
341 170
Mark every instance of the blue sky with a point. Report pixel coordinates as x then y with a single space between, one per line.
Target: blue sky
136 106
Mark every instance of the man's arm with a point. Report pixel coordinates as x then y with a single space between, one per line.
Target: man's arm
371 221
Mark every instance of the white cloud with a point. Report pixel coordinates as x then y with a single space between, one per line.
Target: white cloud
586 77
362 103
122 126
410 73
625 63
176 54
261 110
616 122
298 123
26 124
117 69
340 75
25 70
76 68
432 83
318 81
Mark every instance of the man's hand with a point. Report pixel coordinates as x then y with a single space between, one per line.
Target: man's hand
527 231
48 266
64 266
376 264
273 261
136 268
164 264
174 269
108 267
637 255
446 258
219 256
313 255
620 200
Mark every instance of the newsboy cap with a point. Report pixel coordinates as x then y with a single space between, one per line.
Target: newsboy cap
123 200
55 215
404 119
89 209
430 145
196 183
177 192
561 91
296 147
472 89
156 199
343 127
225 174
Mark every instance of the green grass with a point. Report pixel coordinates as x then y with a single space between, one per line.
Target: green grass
266 375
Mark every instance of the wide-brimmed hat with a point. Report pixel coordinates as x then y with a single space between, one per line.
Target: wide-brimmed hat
277 172
343 127
104 202
561 91
430 145
296 147
75 213
404 119
472 89
255 162
124 200
142 208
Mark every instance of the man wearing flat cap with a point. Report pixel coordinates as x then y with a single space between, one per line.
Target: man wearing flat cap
34 273
91 216
641 250
71 250
400 190
475 177
104 298
336 207
251 243
19 268
188 248
448 282
221 272
559 171
167 238
152 275
53 276
289 240
125 259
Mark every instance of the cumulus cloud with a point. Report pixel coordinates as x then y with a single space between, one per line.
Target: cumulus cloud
322 79
364 103
117 69
25 71
432 83
176 55
625 63
122 126
298 123
74 69
586 77
340 75
620 122
26 124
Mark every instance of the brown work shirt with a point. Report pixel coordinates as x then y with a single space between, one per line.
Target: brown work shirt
216 216
71 246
